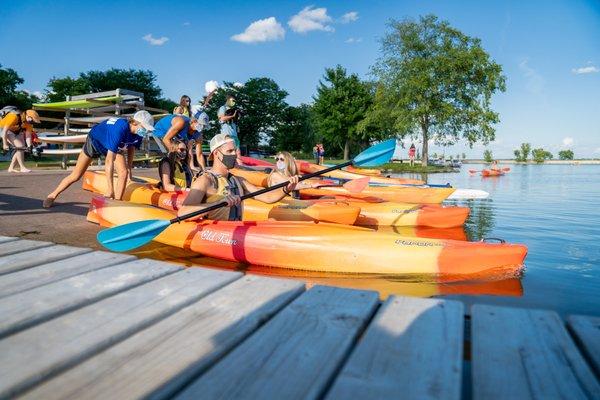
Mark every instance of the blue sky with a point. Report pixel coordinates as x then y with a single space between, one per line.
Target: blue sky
550 51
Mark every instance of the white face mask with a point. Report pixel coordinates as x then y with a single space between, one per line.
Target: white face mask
280 165
29 119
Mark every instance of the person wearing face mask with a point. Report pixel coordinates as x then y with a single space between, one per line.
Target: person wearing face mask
173 169
183 128
17 131
217 184
114 139
285 167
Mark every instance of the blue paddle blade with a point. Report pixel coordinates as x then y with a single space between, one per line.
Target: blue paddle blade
376 155
130 236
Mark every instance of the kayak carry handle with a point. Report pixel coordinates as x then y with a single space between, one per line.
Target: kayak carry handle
492 239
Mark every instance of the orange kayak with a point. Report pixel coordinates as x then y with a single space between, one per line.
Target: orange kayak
491 172
144 191
401 194
320 246
364 171
349 211
308 168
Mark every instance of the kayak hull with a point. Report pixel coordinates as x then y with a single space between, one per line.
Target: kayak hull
320 246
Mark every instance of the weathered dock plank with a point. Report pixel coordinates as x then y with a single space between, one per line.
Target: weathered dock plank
158 361
32 258
587 331
526 354
17 246
294 355
22 310
411 350
33 355
58 270
4 239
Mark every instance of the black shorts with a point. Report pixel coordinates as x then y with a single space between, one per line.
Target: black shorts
89 149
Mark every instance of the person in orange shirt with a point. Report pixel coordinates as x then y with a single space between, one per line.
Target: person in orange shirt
17 131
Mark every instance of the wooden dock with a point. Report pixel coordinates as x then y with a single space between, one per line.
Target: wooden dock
79 324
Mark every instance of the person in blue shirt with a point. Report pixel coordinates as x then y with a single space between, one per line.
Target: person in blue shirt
114 139
183 128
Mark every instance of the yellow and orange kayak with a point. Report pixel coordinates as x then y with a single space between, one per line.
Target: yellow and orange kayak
144 191
308 168
349 211
402 194
320 246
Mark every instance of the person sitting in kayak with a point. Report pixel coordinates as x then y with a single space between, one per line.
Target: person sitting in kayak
173 169
285 168
17 131
495 166
185 129
113 139
217 184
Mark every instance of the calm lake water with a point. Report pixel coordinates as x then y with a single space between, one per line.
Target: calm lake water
553 209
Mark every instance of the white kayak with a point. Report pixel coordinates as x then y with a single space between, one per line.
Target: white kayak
468 194
62 138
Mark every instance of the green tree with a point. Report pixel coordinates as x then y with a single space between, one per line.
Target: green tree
487 156
464 156
98 81
295 131
540 155
522 154
9 95
436 83
565 154
262 105
341 103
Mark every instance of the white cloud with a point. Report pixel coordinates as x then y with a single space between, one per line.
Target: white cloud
353 40
39 94
155 41
349 17
535 82
586 70
263 30
311 19
597 151
567 142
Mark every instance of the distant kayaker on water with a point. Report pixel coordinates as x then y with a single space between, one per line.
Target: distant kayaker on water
114 139
217 184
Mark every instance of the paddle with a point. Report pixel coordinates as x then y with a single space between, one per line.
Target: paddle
135 234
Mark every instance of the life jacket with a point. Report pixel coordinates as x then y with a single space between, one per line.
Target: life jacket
180 174
224 186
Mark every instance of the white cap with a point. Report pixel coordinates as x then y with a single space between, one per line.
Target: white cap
219 140
145 119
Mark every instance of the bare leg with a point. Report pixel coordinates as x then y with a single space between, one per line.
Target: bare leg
122 173
19 155
83 162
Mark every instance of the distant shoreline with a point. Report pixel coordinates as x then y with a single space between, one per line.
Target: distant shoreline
556 162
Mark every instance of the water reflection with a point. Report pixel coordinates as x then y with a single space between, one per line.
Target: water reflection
481 222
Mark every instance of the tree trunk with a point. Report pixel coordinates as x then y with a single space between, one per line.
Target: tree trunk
347 150
425 153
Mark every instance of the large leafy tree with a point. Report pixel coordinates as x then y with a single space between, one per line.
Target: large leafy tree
9 95
295 131
341 103
97 81
435 83
262 105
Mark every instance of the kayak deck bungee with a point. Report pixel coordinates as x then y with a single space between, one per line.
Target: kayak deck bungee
320 246
144 191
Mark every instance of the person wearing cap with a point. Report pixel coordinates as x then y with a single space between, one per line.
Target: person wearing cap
114 139
185 129
217 185
17 131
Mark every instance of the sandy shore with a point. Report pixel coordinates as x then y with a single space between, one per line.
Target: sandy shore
22 215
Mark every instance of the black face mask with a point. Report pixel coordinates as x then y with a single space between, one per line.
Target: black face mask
229 160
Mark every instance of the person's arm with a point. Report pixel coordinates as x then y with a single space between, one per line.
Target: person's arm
199 155
193 201
165 178
276 178
5 140
122 174
130 156
177 125
274 195
225 118
109 169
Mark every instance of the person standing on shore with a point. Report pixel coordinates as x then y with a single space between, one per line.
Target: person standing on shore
321 154
411 154
114 139
316 153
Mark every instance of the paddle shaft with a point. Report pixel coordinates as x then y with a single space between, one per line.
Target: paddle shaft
259 192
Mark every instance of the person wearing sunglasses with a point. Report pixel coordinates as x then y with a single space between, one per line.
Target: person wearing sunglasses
184 107
174 171
217 184
285 168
